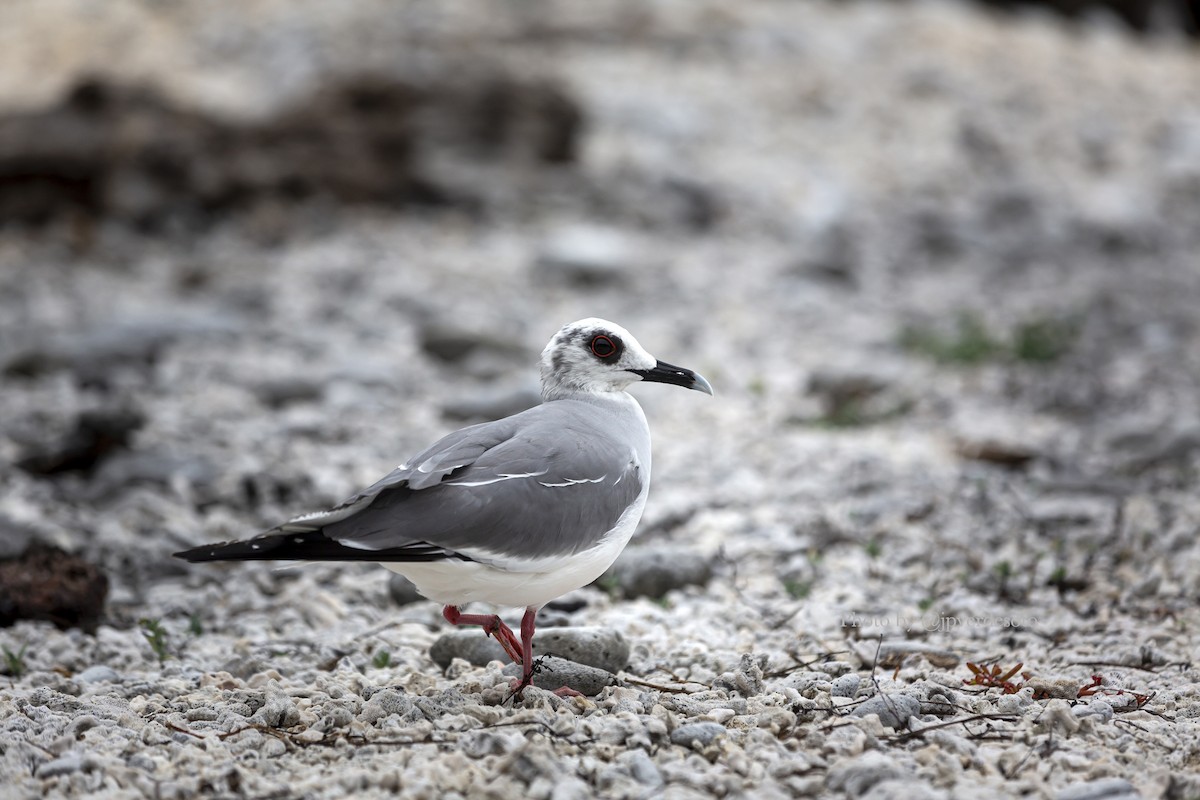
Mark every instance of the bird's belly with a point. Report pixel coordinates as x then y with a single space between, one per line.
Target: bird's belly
523 584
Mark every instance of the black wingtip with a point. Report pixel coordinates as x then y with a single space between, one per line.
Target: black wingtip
260 549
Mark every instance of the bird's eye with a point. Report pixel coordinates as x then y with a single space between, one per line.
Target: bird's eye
603 347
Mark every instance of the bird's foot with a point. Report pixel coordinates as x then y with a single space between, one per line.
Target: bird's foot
518 685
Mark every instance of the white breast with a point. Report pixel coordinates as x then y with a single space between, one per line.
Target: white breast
534 582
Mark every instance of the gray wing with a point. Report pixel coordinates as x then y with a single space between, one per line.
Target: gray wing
545 482
550 481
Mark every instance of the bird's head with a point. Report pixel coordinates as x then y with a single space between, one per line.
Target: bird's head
594 356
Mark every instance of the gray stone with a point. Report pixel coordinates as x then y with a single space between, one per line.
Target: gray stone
65 765
845 686
652 571
554 673
1097 709
598 647
1103 789
904 789
279 711
99 673
747 679
894 710
697 734
471 645
856 776
641 767
383 704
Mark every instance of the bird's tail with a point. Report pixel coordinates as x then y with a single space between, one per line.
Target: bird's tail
311 544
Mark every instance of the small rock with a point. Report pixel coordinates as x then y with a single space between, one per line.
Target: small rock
652 571
279 711
1103 789
96 435
1007 452
1057 719
697 734
470 645
65 765
280 392
894 710
747 679
383 704
1097 709
856 776
46 583
98 674
845 686
904 789
554 673
641 767
402 591
587 256
598 647
452 343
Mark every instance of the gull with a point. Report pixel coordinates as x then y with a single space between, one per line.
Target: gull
515 512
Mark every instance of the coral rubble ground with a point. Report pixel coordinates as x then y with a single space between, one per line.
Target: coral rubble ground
935 537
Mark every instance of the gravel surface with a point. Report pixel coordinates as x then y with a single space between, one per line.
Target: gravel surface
936 535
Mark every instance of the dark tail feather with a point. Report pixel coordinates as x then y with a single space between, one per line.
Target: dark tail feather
310 546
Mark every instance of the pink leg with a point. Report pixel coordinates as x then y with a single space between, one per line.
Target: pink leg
528 623
492 626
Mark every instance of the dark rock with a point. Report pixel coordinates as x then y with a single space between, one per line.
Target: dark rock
109 150
995 450
471 645
652 571
97 435
1140 15
282 392
46 583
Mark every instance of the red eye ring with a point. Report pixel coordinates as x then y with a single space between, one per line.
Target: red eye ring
603 347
